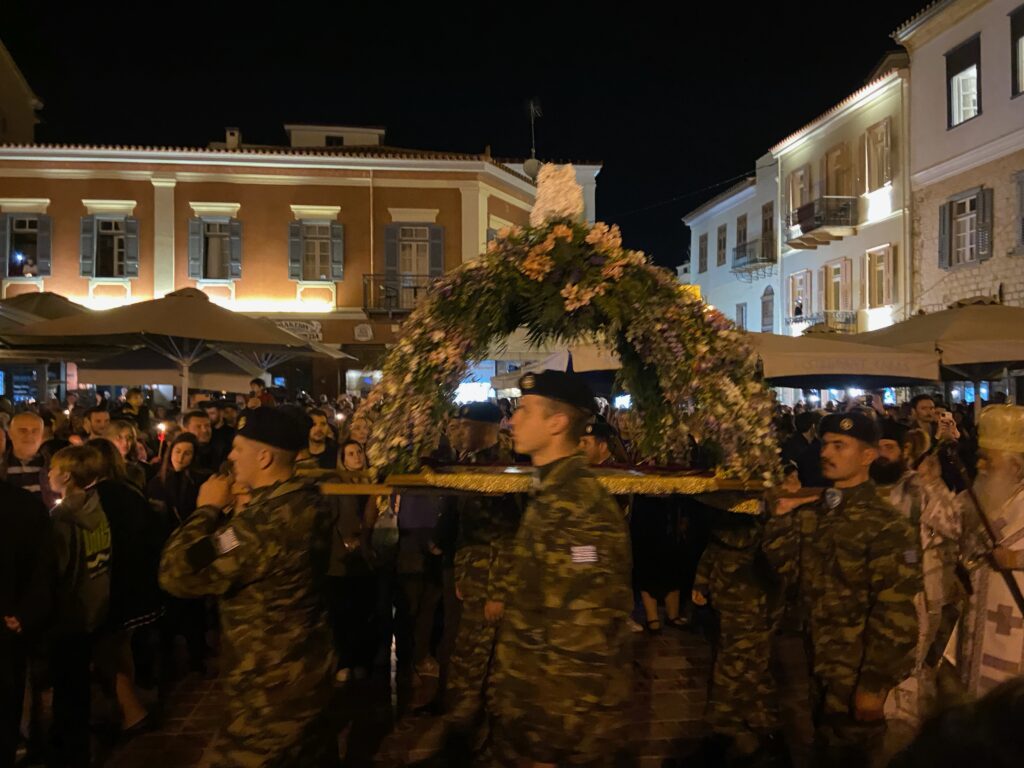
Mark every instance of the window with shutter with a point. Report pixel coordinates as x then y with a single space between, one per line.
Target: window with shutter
800 294
316 250
722 237
963 82
767 310
881 276
964 236
768 232
1017 51
702 254
216 250
1020 213
741 316
111 248
337 251
87 247
877 151
26 244
845 285
945 246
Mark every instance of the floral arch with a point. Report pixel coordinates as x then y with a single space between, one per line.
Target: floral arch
686 366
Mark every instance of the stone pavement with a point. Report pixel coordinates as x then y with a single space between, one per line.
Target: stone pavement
377 727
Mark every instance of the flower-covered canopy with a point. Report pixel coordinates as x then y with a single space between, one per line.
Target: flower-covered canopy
688 369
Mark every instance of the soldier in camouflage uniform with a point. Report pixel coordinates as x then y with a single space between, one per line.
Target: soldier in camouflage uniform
856 562
486 528
264 563
743 705
562 677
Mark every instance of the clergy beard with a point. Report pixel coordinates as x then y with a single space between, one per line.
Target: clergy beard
993 489
885 472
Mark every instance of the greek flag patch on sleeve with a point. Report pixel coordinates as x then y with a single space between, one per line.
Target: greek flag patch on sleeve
586 554
225 541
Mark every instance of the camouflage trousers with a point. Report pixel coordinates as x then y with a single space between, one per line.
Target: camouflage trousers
743 695
469 667
296 734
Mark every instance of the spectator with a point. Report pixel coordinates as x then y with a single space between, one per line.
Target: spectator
198 423
24 463
258 391
96 421
26 560
124 437
922 414
82 539
137 537
322 450
804 449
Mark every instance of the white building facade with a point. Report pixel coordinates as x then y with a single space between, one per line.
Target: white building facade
734 250
844 199
967 151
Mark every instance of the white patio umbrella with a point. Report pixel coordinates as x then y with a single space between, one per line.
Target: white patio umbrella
184 326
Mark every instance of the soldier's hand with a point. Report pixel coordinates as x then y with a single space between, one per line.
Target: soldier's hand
215 492
787 504
698 597
13 624
458 592
1006 559
493 611
868 706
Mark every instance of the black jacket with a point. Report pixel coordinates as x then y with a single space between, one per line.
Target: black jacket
137 538
26 559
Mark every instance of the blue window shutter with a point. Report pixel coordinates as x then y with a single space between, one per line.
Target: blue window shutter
44 244
5 240
436 251
131 246
391 249
295 250
195 248
944 245
235 246
337 251
985 224
492 234
87 247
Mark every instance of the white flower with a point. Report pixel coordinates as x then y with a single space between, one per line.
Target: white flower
559 196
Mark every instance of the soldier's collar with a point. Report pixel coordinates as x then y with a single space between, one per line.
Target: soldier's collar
280 488
551 468
833 498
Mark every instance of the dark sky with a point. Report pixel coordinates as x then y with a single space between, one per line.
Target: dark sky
674 102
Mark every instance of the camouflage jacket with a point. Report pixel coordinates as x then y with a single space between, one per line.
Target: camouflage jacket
731 570
857 563
487 525
563 645
265 564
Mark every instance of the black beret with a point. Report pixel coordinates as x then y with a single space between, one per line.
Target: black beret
207 404
600 430
559 385
274 426
486 412
893 430
860 426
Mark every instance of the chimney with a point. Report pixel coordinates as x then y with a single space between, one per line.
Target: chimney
232 138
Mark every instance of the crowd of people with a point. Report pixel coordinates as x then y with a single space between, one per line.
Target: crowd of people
132 526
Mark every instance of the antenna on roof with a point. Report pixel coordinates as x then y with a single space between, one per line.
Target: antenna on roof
532 166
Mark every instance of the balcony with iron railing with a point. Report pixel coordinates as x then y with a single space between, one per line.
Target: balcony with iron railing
753 254
394 294
839 320
819 222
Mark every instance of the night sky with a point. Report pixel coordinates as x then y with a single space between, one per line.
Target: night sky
674 103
